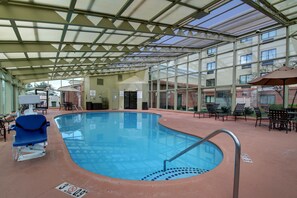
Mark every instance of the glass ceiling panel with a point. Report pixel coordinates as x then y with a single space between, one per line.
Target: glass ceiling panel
173 40
115 39
64 3
135 40
164 38
216 12
15 55
74 36
174 14
48 54
4 22
7 33
27 34
199 4
2 56
109 7
39 25
145 9
98 54
33 55
238 11
49 35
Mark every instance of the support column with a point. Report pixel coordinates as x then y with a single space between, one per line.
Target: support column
233 87
199 96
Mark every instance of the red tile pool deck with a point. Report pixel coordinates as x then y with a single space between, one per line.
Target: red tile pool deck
273 173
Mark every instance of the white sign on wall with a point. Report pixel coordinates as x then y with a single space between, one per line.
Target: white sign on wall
121 93
93 93
139 94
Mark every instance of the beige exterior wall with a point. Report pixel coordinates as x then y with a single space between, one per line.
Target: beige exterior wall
112 90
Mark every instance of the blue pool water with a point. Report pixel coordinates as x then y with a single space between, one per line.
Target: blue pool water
133 146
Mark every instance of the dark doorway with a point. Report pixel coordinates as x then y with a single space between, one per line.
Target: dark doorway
130 100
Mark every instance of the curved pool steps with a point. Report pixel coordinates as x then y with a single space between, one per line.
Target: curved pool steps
174 173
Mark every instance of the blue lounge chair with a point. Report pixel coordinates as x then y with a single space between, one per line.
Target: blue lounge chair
31 137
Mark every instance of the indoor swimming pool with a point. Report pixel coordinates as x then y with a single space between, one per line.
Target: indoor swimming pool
133 146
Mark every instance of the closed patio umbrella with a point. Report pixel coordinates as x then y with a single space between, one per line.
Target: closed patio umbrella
281 76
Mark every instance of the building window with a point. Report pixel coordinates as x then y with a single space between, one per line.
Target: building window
246 40
267 99
246 59
244 79
209 99
210 82
268 35
211 51
268 54
99 81
211 67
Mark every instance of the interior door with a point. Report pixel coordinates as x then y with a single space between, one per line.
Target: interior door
130 100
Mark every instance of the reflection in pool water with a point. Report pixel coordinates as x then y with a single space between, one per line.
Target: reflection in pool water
130 145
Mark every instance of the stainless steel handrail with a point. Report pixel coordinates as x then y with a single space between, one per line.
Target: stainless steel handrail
237 156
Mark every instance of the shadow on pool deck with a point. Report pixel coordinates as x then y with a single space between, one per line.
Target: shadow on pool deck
272 174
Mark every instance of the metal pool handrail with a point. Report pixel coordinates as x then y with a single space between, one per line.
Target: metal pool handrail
236 160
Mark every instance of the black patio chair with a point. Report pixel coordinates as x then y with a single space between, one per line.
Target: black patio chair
239 111
259 116
212 109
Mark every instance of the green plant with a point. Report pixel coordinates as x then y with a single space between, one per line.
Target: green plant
226 109
276 107
248 111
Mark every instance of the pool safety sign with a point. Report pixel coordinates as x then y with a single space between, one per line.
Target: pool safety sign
72 190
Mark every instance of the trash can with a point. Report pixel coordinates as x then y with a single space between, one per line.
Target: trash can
54 103
89 105
144 106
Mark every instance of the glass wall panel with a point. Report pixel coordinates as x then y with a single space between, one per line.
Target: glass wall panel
154 85
181 99
292 96
203 79
183 59
208 95
246 95
163 84
171 83
170 63
154 75
182 81
192 99
193 66
193 57
223 97
171 71
163 73
163 99
193 80
182 69
170 100
224 76
153 97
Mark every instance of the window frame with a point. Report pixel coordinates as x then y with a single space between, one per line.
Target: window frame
271 54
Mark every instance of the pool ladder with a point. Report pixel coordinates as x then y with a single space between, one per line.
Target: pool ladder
236 160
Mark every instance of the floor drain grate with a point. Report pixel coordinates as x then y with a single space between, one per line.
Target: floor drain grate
72 190
246 158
